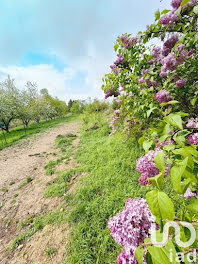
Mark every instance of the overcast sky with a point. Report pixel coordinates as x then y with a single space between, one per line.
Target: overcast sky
66 46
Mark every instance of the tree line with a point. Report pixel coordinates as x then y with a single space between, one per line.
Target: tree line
29 104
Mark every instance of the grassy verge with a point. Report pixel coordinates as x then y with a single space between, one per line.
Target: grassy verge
19 133
111 179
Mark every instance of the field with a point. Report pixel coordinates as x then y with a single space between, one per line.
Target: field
18 133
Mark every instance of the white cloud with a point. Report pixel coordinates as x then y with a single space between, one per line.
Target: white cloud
46 76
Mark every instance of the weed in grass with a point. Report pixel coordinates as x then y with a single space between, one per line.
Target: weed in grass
50 252
16 195
12 182
64 141
5 190
50 167
60 186
27 222
28 180
9 222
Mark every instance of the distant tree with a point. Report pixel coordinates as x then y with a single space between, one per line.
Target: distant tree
44 92
70 103
28 98
9 102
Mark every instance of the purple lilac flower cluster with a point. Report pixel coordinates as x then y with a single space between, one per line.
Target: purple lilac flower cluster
114 121
127 41
171 17
163 96
181 83
146 165
189 194
192 123
193 139
130 227
168 58
110 93
165 143
119 61
169 44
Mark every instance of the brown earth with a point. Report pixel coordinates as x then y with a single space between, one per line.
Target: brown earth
19 201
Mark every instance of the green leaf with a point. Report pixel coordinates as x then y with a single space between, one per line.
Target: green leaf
170 103
185 2
165 11
193 206
157 180
193 101
148 113
147 145
160 161
139 254
195 9
180 140
184 153
140 141
157 15
177 172
189 175
178 11
174 120
160 205
116 47
148 258
162 254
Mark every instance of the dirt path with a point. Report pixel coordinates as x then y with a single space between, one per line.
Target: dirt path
21 198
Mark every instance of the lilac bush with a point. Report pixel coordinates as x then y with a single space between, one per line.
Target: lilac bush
157 92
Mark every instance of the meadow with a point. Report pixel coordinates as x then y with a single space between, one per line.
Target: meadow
21 132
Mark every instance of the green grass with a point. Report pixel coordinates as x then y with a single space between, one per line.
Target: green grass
50 252
59 186
112 178
64 142
19 133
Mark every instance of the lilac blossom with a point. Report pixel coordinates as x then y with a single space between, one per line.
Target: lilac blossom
131 226
193 139
120 59
127 41
163 96
181 83
146 165
189 194
169 44
192 123
169 19
169 62
176 3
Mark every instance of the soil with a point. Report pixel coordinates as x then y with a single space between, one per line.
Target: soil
21 198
